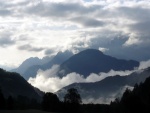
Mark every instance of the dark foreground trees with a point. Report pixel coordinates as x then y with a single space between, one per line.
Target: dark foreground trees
72 101
2 100
72 97
17 103
50 102
10 103
136 101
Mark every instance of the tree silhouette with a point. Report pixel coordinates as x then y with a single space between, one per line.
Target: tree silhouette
136 101
10 103
22 102
72 96
2 100
72 100
50 102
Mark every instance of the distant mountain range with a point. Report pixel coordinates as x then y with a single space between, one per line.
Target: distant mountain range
84 63
12 84
30 66
28 63
108 88
94 61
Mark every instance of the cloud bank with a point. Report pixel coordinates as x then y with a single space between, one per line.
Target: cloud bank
48 80
144 64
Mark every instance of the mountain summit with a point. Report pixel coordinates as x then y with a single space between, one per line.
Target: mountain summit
94 61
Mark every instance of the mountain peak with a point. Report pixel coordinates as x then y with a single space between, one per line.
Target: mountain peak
94 61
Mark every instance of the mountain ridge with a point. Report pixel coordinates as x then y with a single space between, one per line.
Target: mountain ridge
94 61
109 88
31 70
13 84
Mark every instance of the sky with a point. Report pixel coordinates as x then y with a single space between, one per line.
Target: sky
30 28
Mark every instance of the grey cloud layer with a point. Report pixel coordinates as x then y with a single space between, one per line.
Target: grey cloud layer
6 40
88 22
121 26
30 48
61 10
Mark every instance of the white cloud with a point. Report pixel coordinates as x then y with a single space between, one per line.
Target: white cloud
49 81
133 40
103 49
144 64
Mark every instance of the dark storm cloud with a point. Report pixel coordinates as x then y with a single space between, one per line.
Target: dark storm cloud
116 48
141 27
28 47
119 23
6 41
12 8
5 12
49 51
137 14
94 16
143 34
88 22
61 10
